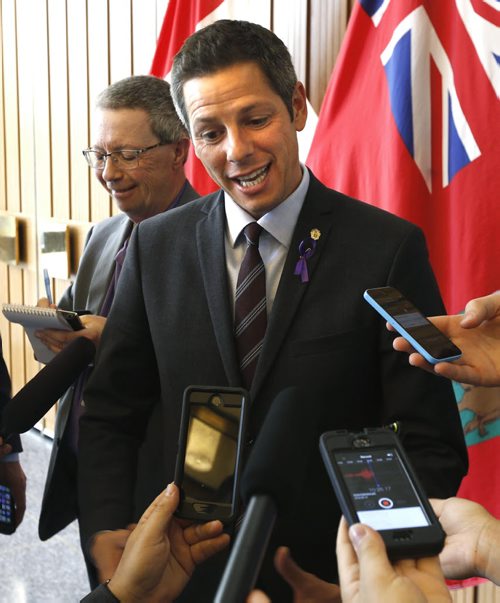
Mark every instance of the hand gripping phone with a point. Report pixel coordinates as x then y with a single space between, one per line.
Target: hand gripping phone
376 485
7 511
409 322
209 456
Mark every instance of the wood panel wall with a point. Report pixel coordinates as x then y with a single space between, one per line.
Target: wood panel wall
55 57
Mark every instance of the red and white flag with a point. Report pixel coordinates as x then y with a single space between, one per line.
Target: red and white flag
184 17
411 123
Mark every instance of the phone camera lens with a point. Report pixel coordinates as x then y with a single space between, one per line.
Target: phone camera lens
216 400
361 442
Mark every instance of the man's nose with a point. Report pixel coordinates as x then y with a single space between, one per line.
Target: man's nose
111 171
239 144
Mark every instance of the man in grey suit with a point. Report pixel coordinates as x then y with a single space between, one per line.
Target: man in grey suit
138 154
235 87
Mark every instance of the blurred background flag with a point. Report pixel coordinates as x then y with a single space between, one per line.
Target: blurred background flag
411 123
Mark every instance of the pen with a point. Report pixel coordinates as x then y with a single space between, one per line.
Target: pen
48 290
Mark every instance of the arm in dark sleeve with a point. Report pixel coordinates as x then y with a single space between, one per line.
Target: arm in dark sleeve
5 394
118 399
425 404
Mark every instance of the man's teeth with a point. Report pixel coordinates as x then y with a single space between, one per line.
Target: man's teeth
254 178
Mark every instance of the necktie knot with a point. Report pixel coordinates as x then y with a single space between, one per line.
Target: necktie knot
252 232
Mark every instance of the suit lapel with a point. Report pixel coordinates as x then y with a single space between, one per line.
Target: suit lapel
316 213
210 234
105 265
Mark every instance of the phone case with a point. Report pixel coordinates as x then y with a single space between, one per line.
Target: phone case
401 542
204 509
404 333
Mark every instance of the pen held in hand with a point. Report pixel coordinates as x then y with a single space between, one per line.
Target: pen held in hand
48 290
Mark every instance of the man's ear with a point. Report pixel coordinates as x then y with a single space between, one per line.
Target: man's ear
181 152
299 106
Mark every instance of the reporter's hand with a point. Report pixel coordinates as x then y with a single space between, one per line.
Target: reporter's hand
307 588
161 555
12 475
5 448
472 546
367 575
107 550
58 339
477 334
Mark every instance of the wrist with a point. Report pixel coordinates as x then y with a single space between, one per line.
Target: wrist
488 556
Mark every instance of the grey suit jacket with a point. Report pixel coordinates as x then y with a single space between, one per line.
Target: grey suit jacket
59 504
173 328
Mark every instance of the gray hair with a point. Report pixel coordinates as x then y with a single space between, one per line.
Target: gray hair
151 94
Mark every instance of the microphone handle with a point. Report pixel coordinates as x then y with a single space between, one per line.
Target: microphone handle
248 551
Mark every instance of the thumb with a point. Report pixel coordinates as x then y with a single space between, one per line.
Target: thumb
159 513
374 564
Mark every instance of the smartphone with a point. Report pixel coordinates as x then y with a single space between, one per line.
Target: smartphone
7 511
210 452
376 485
73 319
409 322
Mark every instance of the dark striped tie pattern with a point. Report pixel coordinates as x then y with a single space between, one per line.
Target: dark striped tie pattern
250 313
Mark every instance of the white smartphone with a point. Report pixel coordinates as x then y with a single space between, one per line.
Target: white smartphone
409 322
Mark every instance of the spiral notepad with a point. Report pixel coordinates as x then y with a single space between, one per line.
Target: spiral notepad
33 318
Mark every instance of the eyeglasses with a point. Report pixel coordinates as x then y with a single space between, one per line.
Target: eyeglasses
126 159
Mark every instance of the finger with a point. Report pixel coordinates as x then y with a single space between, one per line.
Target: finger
198 532
157 516
374 564
205 549
437 505
287 567
401 345
5 449
457 372
257 596
347 560
479 309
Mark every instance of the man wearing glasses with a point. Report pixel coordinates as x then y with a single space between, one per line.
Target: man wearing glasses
138 154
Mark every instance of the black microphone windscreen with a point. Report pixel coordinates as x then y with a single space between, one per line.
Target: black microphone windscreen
277 464
33 401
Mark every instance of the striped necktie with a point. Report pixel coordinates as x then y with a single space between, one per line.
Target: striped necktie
250 311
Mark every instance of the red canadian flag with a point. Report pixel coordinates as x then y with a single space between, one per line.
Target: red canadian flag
181 20
411 123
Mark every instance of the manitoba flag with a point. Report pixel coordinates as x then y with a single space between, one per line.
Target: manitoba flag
411 123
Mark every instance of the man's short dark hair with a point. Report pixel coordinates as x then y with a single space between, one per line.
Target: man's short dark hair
151 94
225 43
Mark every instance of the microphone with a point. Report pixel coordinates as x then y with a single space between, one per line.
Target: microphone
33 401
271 483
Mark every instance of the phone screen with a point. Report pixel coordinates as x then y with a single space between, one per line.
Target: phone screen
211 450
380 489
7 524
414 323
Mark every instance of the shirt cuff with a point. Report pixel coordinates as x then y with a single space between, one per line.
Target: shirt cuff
13 457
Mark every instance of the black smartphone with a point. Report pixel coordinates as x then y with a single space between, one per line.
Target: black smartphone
409 322
210 452
376 485
73 319
7 511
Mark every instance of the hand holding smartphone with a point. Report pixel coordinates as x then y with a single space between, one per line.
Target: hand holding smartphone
409 322
210 450
376 485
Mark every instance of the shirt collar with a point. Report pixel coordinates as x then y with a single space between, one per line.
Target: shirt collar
279 222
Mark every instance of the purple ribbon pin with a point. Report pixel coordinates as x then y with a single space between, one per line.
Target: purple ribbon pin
307 248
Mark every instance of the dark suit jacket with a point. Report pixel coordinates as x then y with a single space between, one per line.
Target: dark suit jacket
171 326
59 504
5 393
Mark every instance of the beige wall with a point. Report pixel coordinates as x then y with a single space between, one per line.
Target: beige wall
55 56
